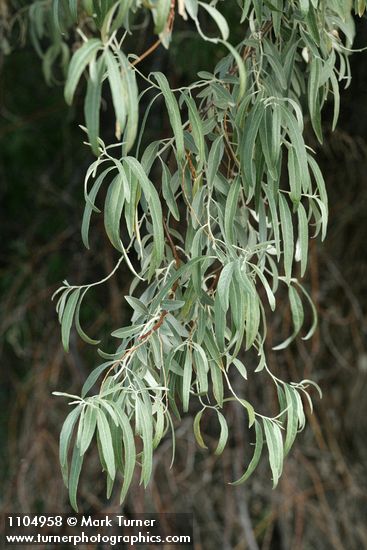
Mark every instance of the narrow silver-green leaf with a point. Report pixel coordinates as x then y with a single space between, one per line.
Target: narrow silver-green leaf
75 469
173 113
89 426
302 237
78 63
197 431
218 18
105 437
256 456
186 382
92 105
65 438
117 88
68 316
287 234
224 284
223 434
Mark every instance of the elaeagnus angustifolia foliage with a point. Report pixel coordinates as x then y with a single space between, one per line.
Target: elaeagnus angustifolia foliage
211 220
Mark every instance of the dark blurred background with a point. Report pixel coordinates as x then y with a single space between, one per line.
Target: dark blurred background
321 501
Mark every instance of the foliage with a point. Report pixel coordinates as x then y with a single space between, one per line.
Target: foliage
236 191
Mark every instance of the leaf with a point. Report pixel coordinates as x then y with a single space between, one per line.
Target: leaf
92 105
217 381
287 233
220 323
197 130
231 209
68 316
274 218
295 134
202 368
186 382
251 129
132 102
55 15
252 318
114 203
117 88
168 193
218 18
65 438
138 306
224 284
335 88
159 424
126 332
294 178
160 14
105 438
89 426
93 377
173 113
78 63
75 469
214 160
240 367
197 431
147 435
313 97
320 182
129 452
250 411
223 434
192 7
292 417
305 6
275 447
256 456
73 7
78 327
302 237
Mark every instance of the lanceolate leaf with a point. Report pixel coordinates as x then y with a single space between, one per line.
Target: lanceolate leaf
105 437
197 431
79 62
292 417
224 284
218 18
89 426
117 88
173 113
275 447
132 102
68 316
75 469
92 105
257 454
113 209
65 438
287 233
302 237
223 434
